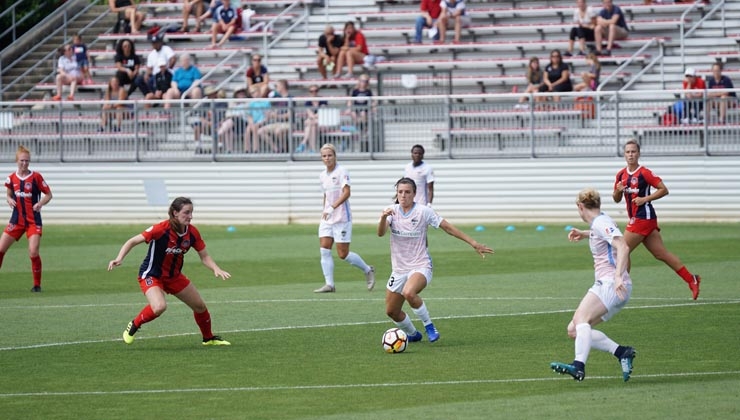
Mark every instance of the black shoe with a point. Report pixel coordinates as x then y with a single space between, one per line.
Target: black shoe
36 289
568 54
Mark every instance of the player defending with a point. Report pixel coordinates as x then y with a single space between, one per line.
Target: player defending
411 263
608 295
24 189
336 221
169 241
422 174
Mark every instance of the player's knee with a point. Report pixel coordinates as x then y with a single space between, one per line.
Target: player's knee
572 330
394 314
159 308
410 296
342 254
33 253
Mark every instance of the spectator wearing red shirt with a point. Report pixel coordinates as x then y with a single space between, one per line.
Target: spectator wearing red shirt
160 272
353 51
694 104
430 11
24 196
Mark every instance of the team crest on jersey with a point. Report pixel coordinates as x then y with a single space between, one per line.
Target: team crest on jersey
610 230
27 185
185 243
634 180
414 221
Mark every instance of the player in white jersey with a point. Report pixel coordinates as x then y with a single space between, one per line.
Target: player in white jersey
411 263
422 174
336 221
608 295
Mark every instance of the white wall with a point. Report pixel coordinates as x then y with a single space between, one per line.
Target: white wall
466 191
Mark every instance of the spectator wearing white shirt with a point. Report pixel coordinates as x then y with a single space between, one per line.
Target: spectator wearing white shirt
584 20
159 52
68 73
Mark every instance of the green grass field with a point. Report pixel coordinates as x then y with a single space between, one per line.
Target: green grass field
298 355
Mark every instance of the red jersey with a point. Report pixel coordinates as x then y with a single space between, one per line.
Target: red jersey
637 184
27 192
432 7
358 39
167 250
698 84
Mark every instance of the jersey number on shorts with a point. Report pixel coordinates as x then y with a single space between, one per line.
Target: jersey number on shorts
390 282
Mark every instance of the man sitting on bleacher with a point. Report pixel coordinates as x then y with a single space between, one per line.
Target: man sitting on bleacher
720 100
145 82
610 24
430 11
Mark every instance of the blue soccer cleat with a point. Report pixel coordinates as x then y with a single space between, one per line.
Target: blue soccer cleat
432 333
626 362
566 369
415 337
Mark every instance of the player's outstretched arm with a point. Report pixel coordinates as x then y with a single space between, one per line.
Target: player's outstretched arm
481 249
383 223
206 259
127 246
576 235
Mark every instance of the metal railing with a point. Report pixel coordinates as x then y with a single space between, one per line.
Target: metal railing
720 5
270 25
449 126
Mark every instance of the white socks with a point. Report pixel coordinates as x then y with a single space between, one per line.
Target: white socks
406 325
583 342
357 261
600 341
327 266
423 314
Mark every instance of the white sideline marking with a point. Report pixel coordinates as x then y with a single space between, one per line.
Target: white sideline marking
350 324
338 386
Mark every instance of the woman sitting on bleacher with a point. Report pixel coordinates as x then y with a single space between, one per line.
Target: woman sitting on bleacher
557 76
68 73
127 67
185 77
127 10
534 81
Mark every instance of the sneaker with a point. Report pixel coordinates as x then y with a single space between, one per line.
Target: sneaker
370 278
325 289
70 98
432 333
568 54
415 337
582 53
128 334
215 341
37 289
694 286
301 148
56 98
626 362
566 369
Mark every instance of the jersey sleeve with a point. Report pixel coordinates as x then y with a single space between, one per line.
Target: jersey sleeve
345 179
430 176
198 243
8 184
432 218
43 186
651 178
618 179
605 228
153 232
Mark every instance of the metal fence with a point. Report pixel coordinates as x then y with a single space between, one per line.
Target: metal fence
463 126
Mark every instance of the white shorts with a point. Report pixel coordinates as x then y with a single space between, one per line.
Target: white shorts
397 281
604 290
341 232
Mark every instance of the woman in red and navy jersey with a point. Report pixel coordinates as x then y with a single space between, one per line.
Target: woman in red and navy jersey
634 183
160 273
25 189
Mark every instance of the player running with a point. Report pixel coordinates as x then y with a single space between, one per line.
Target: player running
24 196
160 273
610 292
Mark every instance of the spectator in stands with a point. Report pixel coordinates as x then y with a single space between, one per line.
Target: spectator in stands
584 18
534 81
353 51
591 76
257 76
328 50
453 12
235 121
610 24
186 76
275 133
693 106
209 120
311 123
68 73
256 119
126 9
162 83
108 107
127 68
430 12
83 58
225 16
159 51
557 76
720 100
191 7
359 107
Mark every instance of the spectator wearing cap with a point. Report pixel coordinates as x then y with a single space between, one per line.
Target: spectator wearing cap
610 24
185 79
720 100
694 104
162 83
159 52
257 76
430 11
225 23
127 10
209 121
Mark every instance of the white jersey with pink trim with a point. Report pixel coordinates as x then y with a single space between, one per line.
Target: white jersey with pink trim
603 232
332 184
409 237
422 176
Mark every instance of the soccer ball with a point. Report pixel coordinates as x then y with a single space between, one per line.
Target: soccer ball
394 341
